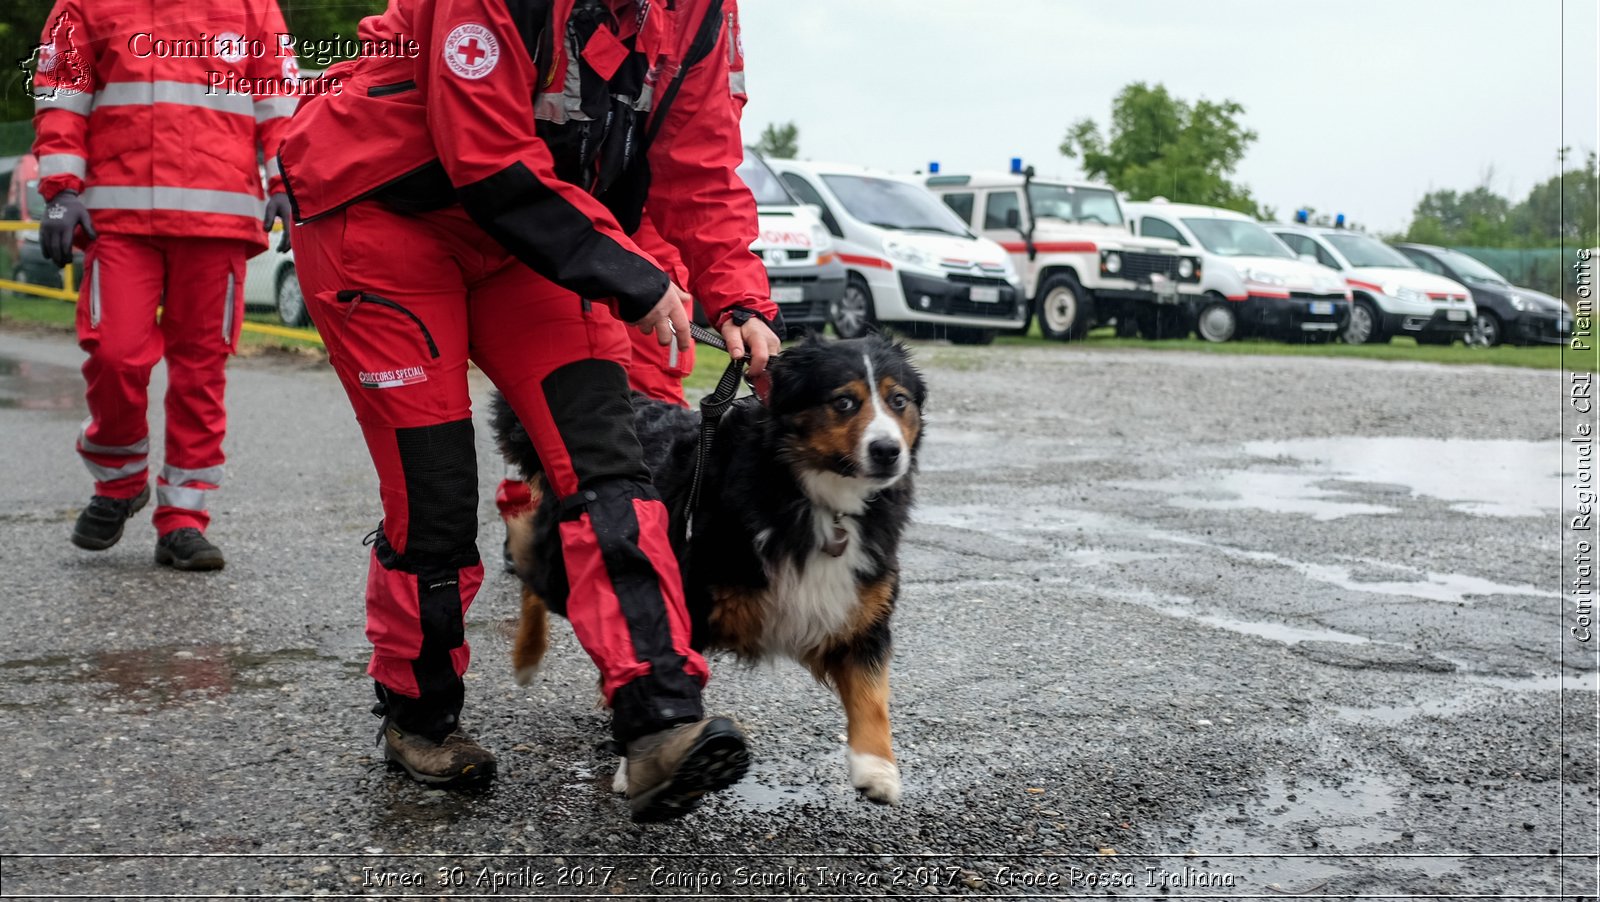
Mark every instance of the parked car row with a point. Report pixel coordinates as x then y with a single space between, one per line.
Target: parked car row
966 256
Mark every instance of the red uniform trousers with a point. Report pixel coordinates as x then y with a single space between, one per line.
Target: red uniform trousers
402 303
198 284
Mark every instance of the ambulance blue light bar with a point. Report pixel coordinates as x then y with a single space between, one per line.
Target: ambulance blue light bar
1016 165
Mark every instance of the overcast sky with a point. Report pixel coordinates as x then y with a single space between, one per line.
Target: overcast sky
1360 106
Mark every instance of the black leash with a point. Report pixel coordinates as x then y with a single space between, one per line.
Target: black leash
712 408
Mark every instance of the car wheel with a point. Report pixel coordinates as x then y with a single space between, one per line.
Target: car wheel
852 315
291 303
1065 311
1488 330
1218 322
1160 323
1363 326
960 335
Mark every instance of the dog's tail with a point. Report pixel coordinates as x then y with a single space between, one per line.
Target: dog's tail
515 445
533 629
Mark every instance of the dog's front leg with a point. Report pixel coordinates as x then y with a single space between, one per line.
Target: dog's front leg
864 690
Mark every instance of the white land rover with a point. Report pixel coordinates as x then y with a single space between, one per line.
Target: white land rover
1080 265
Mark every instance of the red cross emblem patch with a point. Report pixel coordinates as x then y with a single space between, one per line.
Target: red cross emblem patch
471 51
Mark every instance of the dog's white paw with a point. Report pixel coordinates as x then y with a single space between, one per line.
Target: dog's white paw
523 676
619 783
877 778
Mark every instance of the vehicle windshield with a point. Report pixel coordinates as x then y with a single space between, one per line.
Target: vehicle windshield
1361 250
889 204
1236 238
1472 268
1075 204
763 182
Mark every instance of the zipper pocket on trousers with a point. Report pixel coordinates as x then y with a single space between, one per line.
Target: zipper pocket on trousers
94 296
355 298
227 312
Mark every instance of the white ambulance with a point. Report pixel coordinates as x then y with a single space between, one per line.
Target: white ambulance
910 262
1081 266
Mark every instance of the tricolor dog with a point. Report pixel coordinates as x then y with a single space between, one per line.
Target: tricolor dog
794 550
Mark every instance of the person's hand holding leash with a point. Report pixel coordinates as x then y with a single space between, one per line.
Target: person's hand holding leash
61 219
669 318
751 332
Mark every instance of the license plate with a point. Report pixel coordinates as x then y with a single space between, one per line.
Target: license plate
984 294
1456 316
1321 308
787 294
1166 290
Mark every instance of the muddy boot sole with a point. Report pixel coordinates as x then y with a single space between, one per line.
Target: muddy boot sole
717 760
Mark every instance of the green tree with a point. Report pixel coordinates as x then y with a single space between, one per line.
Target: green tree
1562 207
781 142
1158 144
1478 218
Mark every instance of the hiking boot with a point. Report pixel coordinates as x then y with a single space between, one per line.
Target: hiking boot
187 549
669 771
455 763
100 525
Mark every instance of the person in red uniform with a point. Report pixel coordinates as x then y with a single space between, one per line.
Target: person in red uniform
467 202
154 168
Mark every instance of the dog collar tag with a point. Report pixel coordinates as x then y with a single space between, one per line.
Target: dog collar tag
840 540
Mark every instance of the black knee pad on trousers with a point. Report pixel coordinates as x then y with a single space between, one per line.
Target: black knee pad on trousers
440 464
592 406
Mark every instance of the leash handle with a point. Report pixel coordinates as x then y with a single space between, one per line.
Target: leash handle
712 408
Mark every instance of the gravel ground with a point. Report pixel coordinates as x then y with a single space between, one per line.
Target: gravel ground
1173 626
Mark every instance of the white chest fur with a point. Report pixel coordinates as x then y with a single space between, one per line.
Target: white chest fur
807 607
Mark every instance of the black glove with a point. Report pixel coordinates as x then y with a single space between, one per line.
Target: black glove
62 217
278 208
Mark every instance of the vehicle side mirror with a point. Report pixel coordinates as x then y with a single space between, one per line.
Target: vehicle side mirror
1013 219
1308 258
816 208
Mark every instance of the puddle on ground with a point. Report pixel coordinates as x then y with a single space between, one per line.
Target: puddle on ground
1493 478
1298 817
155 677
1277 493
1390 714
30 385
1277 632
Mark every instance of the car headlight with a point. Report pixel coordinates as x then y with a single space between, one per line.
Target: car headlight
1112 262
907 253
820 239
1186 268
1517 302
1405 293
1262 277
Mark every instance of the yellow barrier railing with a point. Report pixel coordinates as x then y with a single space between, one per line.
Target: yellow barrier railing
69 292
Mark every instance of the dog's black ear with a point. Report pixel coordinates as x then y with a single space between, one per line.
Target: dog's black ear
791 374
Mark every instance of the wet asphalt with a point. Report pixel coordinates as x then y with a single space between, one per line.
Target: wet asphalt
1173 625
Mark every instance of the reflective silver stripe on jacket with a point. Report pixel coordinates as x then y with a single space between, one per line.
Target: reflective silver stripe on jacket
178 476
227 312
111 474
179 496
275 107
62 164
736 83
162 197
71 100
273 169
94 295
140 447
184 93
